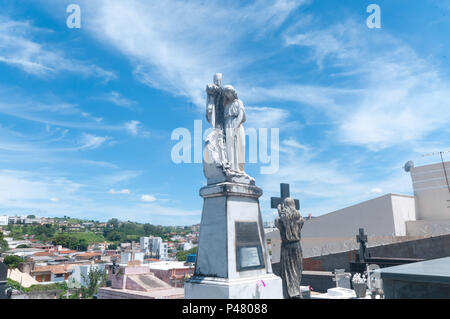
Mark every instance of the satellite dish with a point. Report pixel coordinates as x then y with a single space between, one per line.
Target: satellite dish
408 166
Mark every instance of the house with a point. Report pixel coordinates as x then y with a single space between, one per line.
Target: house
23 252
137 282
30 221
68 253
51 274
172 272
12 244
89 256
47 258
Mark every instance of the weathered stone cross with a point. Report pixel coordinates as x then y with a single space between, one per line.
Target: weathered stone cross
361 238
285 193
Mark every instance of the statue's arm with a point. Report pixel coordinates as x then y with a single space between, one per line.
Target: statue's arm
209 112
211 91
240 119
301 221
277 222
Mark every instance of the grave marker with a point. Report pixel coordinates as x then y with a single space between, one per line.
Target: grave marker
285 193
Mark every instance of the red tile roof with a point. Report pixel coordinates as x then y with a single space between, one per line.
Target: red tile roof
54 269
63 252
89 254
43 253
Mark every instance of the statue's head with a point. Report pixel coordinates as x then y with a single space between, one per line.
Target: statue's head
218 79
230 93
289 203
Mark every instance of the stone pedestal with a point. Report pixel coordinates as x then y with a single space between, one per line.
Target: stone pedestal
232 257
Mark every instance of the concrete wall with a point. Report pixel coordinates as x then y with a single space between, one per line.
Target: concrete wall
398 289
427 248
383 219
428 228
320 281
382 216
404 208
431 191
108 293
105 293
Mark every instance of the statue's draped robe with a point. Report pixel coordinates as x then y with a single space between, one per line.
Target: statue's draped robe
290 224
235 134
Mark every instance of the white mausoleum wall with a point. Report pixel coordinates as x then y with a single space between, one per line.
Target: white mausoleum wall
383 219
404 208
382 216
431 191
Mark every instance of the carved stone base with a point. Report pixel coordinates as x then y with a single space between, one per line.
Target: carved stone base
246 288
232 256
216 175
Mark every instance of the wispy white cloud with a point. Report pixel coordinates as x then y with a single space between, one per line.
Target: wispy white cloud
376 191
400 97
54 112
324 185
178 45
148 198
119 177
136 128
99 163
119 100
295 144
91 141
265 117
45 194
27 188
18 49
119 192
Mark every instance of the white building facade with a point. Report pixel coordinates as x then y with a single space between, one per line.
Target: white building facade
432 193
145 244
4 220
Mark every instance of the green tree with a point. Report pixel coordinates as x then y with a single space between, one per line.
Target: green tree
113 223
82 244
23 246
3 243
12 261
95 279
113 235
181 255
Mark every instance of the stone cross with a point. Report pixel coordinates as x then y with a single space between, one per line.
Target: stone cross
361 238
285 193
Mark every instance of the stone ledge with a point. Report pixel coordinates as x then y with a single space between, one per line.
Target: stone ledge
244 288
231 189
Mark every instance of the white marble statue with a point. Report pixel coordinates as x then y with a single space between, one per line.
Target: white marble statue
234 130
224 154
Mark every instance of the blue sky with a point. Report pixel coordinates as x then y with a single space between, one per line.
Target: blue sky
86 115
